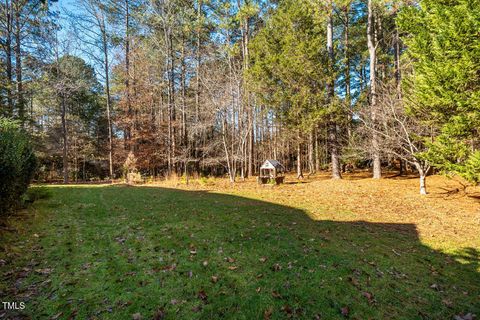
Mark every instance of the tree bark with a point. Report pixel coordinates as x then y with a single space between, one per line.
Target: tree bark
249 106
195 142
311 151
184 95
317 151
230 165
8 57
128 128
172 103
422 178
377 170
333 130
18 64
398 72
65 140
107 90
299 157
348 99
198 60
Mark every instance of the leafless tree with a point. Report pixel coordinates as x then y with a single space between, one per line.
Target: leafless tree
399 133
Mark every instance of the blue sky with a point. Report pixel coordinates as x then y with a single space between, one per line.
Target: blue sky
63 7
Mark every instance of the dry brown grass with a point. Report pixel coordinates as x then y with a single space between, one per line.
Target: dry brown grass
447 219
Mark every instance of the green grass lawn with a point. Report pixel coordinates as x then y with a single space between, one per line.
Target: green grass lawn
120 252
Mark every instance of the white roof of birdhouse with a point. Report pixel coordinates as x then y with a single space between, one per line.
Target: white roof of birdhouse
271 164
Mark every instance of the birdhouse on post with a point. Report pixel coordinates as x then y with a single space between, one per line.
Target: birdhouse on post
271 171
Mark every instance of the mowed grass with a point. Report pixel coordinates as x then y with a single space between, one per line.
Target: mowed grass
117 252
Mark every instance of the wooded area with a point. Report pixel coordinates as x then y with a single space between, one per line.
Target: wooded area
215 87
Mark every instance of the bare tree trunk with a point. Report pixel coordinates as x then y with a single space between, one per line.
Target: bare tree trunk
348 99
251 141
333 131
317 151
65 140
398 73
422 179
377 170
398 79
198 61
275 139
311 150
230 166
172 102
299 157
128 129
184 95
109 100
75 160
8 54
195 142
18 64
249 106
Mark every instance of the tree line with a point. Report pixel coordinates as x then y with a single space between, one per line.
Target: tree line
215 87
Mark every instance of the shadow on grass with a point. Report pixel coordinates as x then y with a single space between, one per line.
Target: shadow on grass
115 252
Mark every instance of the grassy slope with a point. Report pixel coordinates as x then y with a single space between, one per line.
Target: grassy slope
111 252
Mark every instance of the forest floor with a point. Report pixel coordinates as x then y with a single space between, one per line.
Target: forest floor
311 249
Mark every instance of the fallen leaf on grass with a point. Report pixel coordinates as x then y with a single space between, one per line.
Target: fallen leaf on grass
435 287
120 240
169 267
397 253
276 267
202 295
369 296
159 314
468 316
354 282
286 308
345 311
267 314
230 260
447 303
197 308
275 294
137 316
232 268
262 259
44 271
86 266
123 304
214 279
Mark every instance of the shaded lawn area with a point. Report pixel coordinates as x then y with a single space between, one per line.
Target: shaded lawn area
120 252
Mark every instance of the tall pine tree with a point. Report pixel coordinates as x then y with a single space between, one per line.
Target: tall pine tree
444 89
